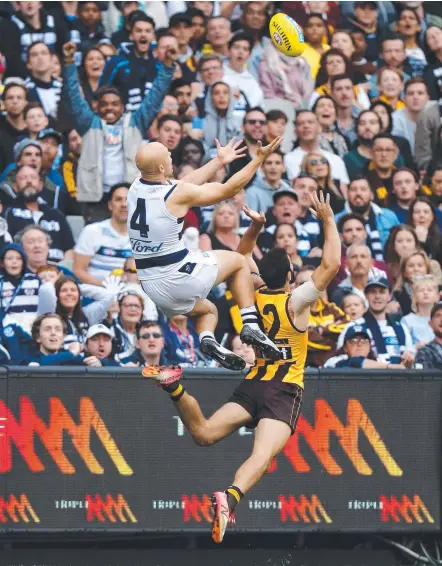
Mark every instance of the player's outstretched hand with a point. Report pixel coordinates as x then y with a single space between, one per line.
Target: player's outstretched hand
263 152
321 207
258 217
230 152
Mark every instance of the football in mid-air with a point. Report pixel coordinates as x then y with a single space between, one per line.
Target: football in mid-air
287 35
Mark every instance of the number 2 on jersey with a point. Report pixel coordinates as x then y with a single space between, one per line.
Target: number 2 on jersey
276 325
139 218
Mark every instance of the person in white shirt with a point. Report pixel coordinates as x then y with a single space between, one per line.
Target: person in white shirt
405 119
307 130
246 88
104 246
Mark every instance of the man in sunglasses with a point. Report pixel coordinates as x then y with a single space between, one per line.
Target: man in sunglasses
149 346
179 281
357 352
255 130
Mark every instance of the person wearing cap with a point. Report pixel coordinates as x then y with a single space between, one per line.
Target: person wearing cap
27 209
48 332
180 26
239 77
391 340
285 210
133 70
109 136
430 356
259 195
357 353
98 347
149 346
28 152
366 19
42 86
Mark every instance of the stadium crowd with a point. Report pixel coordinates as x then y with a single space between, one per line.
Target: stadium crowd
84 83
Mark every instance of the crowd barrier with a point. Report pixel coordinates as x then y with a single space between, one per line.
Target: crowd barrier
99 450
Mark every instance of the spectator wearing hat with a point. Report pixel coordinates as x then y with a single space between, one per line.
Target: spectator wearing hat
48 332
12 121
357 352
29 153
52 142
285 211
42 86
98 347
180 26
109 159
246 88
259 195
149 346
134 69
28 210
366 19
430 356
18 288
391 340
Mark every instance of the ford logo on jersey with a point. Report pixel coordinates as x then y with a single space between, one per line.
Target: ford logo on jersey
140 247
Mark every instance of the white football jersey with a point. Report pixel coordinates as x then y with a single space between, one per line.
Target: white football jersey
153 232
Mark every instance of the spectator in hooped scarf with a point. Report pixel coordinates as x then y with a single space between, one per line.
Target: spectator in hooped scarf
18 288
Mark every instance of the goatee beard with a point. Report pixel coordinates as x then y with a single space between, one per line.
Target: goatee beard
362 210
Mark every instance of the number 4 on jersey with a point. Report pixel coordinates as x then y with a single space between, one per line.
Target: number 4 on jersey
139 220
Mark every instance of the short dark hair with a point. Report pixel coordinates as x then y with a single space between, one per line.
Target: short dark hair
254 109
35 331
168 118
13 85
273 115
278 152
343 77
391 36
139 16
33 44
415 81
347 217
117 186
82 5
384 135
32 106
146 324
178 83
314 15
360 177
301 112
241 36
162 32
274 268
104 89
193 12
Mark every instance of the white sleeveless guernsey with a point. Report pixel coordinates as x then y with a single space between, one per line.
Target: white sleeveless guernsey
154 233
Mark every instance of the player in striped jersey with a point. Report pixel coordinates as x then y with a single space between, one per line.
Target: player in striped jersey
270 396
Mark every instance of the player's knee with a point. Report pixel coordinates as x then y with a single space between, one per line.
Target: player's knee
263 459
202 436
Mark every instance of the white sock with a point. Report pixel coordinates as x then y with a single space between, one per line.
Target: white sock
206 334
249 316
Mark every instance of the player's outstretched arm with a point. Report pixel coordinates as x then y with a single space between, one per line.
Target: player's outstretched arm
307 293
248 242
224 156
213 193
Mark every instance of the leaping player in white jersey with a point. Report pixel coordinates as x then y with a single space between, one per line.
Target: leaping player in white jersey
177 280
